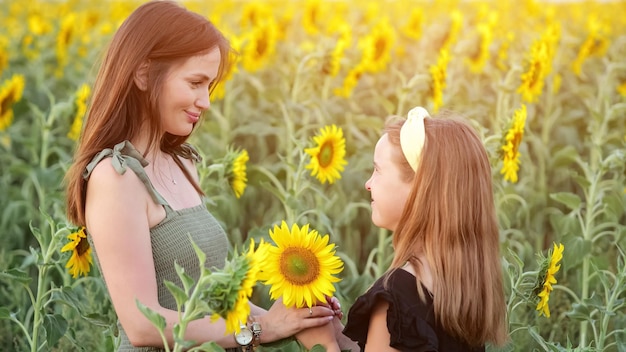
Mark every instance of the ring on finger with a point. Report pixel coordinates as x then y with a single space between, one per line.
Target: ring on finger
310 311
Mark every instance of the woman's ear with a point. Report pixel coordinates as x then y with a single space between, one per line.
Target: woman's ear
141 76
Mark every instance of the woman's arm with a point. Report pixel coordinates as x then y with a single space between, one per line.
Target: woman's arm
118 220
378 337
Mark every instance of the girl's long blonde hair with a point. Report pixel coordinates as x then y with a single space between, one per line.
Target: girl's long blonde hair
450 220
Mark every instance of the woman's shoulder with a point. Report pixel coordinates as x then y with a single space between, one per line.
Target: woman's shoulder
108 168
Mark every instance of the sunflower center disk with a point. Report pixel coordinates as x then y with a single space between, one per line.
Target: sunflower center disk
82 246
326 154
299 266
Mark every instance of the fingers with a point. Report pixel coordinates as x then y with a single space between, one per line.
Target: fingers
335 306
317 311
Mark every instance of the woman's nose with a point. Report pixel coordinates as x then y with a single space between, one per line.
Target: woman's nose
203 101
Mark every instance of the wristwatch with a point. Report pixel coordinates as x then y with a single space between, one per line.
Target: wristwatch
249 338
256 333
244 338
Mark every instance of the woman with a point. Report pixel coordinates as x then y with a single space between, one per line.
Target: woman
151 90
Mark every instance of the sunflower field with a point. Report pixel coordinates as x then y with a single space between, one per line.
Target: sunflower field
291 133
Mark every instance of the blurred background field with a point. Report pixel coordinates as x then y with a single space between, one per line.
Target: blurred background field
544 83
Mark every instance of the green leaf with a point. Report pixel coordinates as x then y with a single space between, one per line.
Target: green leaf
564 156
582 311
579 312
5 313
201 255
535 335
179 294
179 338
98 320
318 348
187 281
68 296
209 347
14 274
155 318
55 326
570 200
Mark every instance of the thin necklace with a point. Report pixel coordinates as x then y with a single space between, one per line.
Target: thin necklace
171 173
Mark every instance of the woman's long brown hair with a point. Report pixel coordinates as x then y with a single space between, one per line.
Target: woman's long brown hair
159 33
450 218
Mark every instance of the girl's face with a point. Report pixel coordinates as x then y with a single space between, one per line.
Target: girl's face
389 192
185 92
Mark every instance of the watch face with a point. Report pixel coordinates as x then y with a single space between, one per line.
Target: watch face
244 337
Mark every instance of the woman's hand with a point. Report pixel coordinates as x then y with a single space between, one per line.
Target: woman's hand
280 321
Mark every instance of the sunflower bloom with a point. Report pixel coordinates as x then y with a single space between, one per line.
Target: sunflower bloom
413 26
10 93
81 260
301 266
253 13
81 108
239 276
548 280
456 22
478 59
328 156
540 60
596 44
313 10
503 51
438 76
533 78
621 89
377 46
350 82
239 179
64 39
332 61
510 149
4 53
260 45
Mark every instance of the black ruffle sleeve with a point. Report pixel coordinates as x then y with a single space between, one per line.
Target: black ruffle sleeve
407 317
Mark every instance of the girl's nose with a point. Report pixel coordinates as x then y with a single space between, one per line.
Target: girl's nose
368 184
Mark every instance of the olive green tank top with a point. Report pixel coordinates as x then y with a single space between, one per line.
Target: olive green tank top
170 238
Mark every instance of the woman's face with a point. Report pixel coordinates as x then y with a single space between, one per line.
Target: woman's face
185 92
388 190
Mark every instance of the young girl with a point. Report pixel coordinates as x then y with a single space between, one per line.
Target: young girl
135 187
431 186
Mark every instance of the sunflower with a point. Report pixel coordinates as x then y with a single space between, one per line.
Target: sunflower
327 157
546 281
81 260
229 293
301 266
621 89
510 148
81 107
238 179
10 93
438 76
539 65
376 47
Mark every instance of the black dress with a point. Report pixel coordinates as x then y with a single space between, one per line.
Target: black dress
410 321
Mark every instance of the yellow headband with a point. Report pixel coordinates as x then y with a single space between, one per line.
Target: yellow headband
412 136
